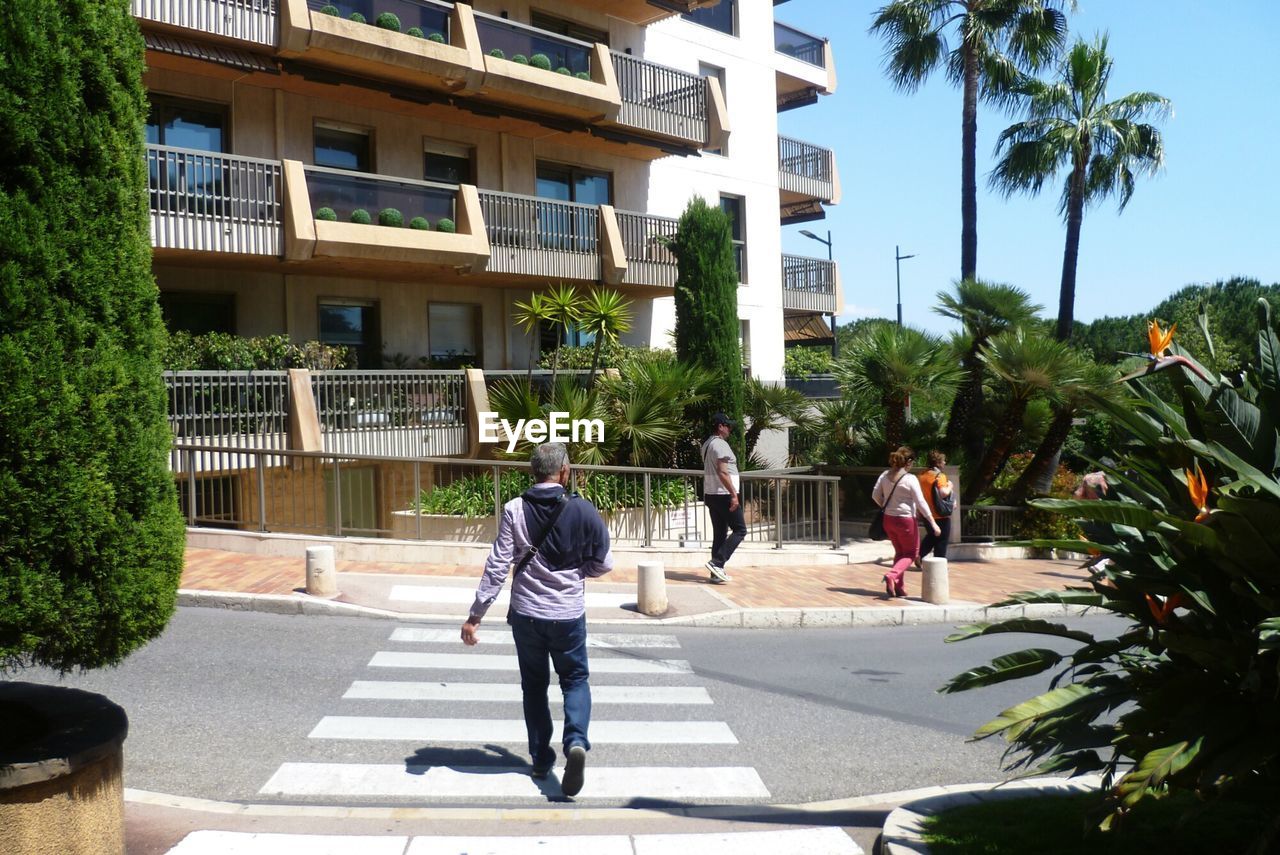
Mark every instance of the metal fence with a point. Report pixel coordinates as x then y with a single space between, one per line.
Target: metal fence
661 99
650 260
541 237
241 409
808 284
460 501
990 522
799 44
804 160
392 413
246 20
220 202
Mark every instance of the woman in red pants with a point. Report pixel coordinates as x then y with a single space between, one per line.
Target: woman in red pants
898 492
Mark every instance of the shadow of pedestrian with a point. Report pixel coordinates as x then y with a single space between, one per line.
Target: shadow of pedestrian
488 760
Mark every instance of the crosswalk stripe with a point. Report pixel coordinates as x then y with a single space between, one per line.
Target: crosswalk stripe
434 730
260 843
466 596
594 844
507 662
602 782
603 640
800 841
390 690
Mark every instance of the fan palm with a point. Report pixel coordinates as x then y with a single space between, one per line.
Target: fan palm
605 314
1103 143
772 406
985 309
892 363
994 38
1029 365
564 306
530 317
646 406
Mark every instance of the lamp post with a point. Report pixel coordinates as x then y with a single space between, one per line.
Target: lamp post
835 350
898 258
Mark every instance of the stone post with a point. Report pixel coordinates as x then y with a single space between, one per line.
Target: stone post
321 578
651 588
935 588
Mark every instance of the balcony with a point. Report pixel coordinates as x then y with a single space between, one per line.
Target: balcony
252 21
641 12
207 202
546 238
805 66
810 285
807 177
645 238
666 102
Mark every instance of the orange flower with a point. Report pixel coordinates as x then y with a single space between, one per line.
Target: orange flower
1159 340
1161 611
1198 489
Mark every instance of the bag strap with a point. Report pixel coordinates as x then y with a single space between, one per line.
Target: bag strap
537 542
891 489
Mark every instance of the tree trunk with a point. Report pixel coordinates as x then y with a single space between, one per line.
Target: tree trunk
967 398
1042 465
969 167
1075 217
595 363
895 423
996 452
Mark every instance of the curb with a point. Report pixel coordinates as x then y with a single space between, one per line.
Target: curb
903 828
735 618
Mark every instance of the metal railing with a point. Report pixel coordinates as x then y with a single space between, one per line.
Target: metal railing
661 99
990 522
460 501
815 386
245 20
392 413
217 202
805 168
428 16
510 39
241 409
344 192
645 240
808 284
541 237
799 44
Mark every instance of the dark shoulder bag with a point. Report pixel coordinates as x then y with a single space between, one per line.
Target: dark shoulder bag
537 542
876 531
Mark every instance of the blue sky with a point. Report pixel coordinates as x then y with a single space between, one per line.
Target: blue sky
1211 214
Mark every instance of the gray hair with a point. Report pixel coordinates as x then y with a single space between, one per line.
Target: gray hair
548 459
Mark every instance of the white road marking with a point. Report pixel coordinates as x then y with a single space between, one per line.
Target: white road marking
390 690
425 782
604 640
580 844
800 841
433 730
244 843
507 662
466 596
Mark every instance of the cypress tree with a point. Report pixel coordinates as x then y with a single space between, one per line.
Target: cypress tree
91 541
707 312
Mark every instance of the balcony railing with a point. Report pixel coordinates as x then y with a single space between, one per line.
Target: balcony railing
799 44
345 192
216 202
541 237
428 16
661 99
808 284
805 168
396 413
650 260
513 39
243 409
245 20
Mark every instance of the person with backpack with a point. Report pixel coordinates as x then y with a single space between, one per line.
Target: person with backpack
720 486
940 494
555 540
897 492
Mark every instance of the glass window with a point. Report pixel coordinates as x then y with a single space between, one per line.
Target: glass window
453 330
339 149
570 184
572 29
722 16
184 124
735 207
447 167
354 326
198 314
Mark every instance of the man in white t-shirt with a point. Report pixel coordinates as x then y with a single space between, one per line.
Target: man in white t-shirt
720 483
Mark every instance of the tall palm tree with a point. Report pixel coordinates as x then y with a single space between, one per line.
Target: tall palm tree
564 307
892 363
985 309
992 39
1028 364
772 406
530 317
605 314
1104 144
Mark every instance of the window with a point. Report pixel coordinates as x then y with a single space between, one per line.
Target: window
707 70
723 17
453 332
744 346
338 148
187 124
354 326
447 163
571 29
571 230
198 314
735 207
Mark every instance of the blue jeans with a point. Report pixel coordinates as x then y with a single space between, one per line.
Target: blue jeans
565 642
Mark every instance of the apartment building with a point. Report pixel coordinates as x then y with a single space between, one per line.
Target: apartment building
393 175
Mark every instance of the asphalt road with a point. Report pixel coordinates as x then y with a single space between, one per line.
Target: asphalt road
223 698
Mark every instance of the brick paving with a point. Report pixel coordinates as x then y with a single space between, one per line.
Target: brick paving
829 586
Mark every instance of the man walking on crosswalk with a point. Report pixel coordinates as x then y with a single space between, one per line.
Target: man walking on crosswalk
555 539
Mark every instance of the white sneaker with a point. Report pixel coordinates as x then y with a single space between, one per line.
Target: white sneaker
717 573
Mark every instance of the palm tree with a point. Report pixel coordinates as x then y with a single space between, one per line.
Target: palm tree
1028 364
891 363
564 306
985 309
993 38
772 406
646 406
1104 143
604 314
530 317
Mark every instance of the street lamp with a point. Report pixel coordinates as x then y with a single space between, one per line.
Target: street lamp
827 242
897 264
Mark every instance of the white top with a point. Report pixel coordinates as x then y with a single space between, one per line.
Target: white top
905 500
715 450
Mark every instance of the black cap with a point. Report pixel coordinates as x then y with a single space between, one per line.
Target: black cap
721 419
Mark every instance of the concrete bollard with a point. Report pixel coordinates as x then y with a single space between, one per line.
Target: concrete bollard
322 581
935 588
651 588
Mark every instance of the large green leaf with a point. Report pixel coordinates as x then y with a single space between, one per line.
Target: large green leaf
1054 596
1027 625
1011 666
1013 720
1246 475
1135 516
1269 635
1154 768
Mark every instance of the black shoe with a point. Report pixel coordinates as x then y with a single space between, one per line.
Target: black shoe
540 773
574 764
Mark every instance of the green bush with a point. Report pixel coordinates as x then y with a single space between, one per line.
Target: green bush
540 60
805 361
420 223
438 38
388 21
183 351
91 541
444 224
497 53
326 214
562 70
329 9
520 59
357 17
361 216
583 75
416 32
390 217
472 496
